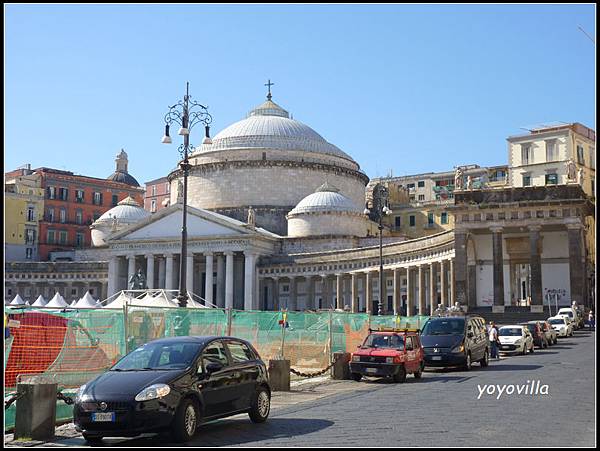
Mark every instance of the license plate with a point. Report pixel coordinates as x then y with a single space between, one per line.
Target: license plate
504 347
371 370
437 357
104 417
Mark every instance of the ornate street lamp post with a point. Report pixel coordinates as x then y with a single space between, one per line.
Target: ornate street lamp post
186 113
379 210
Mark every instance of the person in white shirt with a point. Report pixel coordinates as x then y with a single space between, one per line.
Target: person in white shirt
493 336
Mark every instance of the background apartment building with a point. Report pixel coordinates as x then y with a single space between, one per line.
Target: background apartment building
23 209
419 202
158 193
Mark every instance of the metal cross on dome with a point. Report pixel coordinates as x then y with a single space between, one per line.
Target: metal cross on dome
269 84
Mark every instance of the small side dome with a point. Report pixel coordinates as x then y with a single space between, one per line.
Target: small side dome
127 212
327 198
326 212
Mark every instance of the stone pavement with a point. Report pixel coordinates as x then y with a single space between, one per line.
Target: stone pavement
301 391
441 409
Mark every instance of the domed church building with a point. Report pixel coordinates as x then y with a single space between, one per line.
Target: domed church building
275 219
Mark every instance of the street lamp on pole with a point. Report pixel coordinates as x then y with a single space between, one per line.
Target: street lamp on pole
379 210
186 113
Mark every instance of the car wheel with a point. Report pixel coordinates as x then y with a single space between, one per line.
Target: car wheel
261 406
92 438
419 373
400 376
486 359
186 420
356 376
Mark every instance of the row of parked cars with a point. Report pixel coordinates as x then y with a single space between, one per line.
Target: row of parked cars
453 341
175 384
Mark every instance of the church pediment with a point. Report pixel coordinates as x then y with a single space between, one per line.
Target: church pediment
166 224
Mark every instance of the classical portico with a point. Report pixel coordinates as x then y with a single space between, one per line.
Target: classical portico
221 251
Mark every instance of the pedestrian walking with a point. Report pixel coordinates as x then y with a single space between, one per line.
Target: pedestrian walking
591 320
493 336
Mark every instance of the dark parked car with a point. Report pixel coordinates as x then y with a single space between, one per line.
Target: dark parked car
455 341
174 384
539 337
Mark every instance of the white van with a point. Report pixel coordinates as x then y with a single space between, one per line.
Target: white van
570 313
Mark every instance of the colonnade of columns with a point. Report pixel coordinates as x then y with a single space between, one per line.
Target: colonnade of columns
167 266
355 291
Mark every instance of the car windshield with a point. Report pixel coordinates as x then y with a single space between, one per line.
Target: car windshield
556 321
510 332
384 341
531 328
446 326
158 356
569 313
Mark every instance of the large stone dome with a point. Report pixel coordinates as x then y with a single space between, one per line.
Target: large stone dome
268 161
269 127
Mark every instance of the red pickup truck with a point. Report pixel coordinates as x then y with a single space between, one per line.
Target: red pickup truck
389 353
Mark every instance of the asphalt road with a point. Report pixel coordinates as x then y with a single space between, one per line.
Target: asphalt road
442 409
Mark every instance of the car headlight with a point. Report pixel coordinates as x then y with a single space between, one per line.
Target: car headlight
153 392
356 358
80 392
518 342
459 348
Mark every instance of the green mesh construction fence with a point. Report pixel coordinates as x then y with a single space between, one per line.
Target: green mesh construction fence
73 347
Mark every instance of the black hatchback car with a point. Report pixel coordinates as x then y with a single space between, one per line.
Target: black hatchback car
455 341
174 384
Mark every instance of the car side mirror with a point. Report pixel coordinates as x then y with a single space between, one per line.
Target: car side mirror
213 367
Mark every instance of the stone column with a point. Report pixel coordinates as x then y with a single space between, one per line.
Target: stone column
311 303
249 268
432 288
535 264
339 291
208 280
452 284
421 285
443 283
576 263
397 292
161 273
459 284
369 292
228 279
220 281
324 291
498 265
169 272
354 293
130 268
189 272
276 305
113 267
150 271
409 293
293 301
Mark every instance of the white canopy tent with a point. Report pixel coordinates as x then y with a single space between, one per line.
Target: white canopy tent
57 302
40 302
119 301
86 301
17 300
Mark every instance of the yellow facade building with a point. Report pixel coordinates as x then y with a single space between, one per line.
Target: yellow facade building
23 208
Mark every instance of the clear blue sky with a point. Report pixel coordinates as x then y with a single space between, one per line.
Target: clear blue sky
409 88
